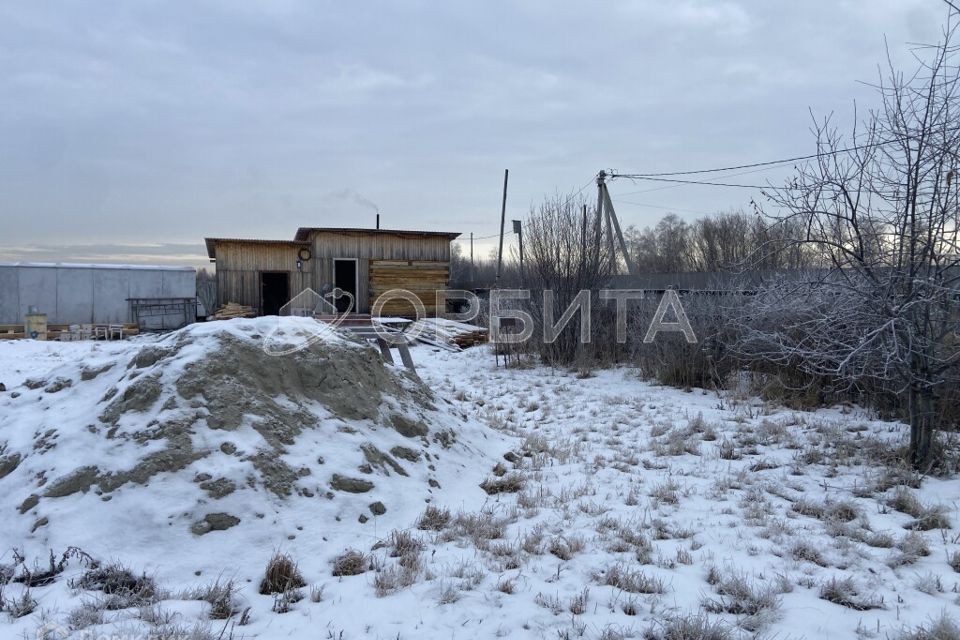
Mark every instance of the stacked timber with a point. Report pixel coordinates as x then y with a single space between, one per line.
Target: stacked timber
425 279
12 332
447 333
234 310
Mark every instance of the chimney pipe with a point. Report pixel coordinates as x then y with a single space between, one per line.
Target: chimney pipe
378 221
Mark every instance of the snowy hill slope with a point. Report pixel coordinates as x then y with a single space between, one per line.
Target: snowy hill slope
201 441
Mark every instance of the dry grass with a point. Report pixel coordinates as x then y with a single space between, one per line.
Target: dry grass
578 603
621 577
434 519
88 614
806 552
281 575
220 596
692 627
392 579
566 547
19 607
954 561
943 628
740 595
123 588
510 483
844 592
350 563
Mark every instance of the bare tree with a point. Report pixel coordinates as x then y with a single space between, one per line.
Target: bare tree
207 290
879 209
563 255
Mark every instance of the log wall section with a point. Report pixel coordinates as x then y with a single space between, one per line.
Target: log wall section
427 280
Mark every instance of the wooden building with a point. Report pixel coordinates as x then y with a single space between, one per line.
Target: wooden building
266 274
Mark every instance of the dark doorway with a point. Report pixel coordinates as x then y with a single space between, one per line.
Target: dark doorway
345 278
274 292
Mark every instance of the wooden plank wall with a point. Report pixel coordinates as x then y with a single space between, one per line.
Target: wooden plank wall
418 263
239 266
380 246
423 278
369 247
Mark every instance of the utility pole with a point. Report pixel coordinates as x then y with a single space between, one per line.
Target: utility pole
517 229
503 220
471 258
598 229
605 209
612 216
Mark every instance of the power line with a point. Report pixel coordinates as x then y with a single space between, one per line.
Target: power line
700 182
477 238
752 165
772 163
677 186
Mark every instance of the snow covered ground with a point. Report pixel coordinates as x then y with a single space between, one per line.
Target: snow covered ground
611 508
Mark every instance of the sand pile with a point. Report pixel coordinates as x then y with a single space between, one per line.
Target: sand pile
204 432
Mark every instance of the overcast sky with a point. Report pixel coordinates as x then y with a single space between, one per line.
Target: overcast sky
131 130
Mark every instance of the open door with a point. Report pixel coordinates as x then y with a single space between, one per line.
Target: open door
345 278
274 291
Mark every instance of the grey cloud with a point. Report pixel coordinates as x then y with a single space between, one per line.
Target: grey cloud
166 122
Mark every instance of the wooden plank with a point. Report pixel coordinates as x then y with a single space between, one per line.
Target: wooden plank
385 350
406 357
